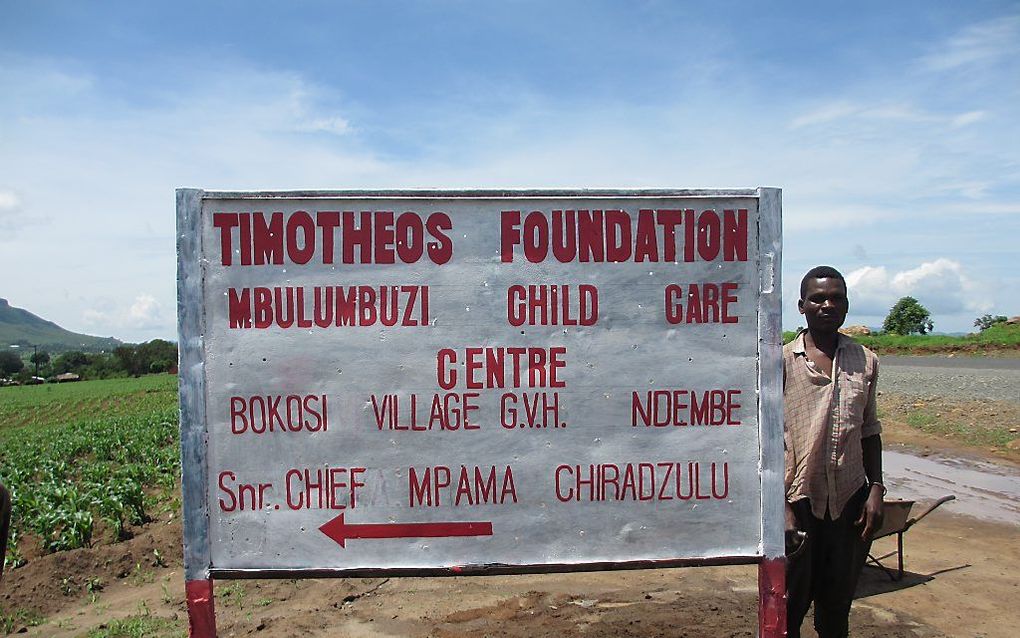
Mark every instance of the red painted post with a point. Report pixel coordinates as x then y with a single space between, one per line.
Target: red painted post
772 598
201 612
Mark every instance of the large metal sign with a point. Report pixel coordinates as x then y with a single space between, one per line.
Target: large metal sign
430 382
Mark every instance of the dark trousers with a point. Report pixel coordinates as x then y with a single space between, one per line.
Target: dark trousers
5 524
825 570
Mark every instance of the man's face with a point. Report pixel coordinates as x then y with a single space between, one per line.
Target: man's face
824 305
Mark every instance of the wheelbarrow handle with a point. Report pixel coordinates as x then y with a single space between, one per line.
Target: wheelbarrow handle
928 511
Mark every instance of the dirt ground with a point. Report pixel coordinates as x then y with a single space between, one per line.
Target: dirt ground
963 579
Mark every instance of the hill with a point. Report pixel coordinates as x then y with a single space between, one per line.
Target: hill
22 328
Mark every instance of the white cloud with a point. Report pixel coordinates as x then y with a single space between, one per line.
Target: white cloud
145 312
825 113
970 117
978 208
942 286
335 125
142 315
832 112
13 218
976 44
96 318
8 202
9 207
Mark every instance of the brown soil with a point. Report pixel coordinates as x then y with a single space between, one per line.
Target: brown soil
963 580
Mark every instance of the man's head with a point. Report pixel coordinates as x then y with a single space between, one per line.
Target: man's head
823 299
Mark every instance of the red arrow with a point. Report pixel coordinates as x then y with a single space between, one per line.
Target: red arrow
340 531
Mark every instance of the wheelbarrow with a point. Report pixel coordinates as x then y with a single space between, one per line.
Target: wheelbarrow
897 521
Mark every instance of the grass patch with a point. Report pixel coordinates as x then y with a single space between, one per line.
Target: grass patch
9 622
140 626
922 421
233 594
980 425
968 434
998 338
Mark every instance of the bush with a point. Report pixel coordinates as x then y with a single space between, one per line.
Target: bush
987 321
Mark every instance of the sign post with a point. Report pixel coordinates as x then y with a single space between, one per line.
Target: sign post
477 382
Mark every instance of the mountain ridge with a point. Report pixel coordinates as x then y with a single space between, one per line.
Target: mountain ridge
19 327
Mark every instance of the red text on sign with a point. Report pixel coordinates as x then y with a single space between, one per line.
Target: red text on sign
705 303
449 411
498 367
614 236
470 485
661 408
552 305
535 410
643 481
279 413
327 306
371 237
331 488
240 496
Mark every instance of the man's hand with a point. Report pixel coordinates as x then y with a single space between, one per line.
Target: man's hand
795 538
871 514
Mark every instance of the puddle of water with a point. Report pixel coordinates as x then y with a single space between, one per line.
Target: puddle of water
983 490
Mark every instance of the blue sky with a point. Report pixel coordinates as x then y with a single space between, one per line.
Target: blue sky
893 129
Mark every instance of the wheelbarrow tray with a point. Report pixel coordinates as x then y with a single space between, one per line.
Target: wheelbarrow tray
896 520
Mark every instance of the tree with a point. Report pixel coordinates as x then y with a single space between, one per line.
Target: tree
907 317
127 357
987 321
72 361
40 358
10 363
156 356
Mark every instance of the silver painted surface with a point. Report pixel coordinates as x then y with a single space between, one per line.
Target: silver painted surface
770 361
629 349
194 464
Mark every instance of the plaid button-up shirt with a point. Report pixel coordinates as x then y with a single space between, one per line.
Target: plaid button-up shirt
824 422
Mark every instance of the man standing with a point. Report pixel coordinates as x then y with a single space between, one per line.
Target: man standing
833 457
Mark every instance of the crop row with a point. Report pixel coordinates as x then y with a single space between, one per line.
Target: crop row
58 404
63 479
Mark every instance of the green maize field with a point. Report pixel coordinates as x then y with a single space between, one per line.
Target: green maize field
83 456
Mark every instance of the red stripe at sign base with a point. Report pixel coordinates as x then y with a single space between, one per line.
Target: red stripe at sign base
201 613
772 598
340 531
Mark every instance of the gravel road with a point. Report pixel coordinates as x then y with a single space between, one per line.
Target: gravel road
967 378
983 490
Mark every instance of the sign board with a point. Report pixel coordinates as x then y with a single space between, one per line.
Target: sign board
462 382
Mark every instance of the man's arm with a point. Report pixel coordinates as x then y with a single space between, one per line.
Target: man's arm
872 515
791 518
871 448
